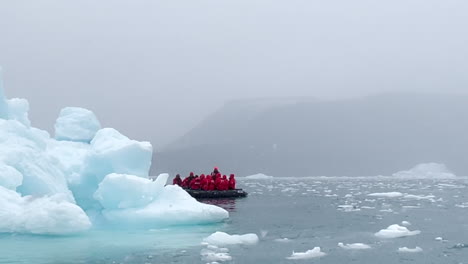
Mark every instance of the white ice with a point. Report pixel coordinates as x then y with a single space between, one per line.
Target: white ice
309 254
410 250
259 176
425 171
76 124
222 239
405 223
354 246
386 194
395 231
40 215
47 186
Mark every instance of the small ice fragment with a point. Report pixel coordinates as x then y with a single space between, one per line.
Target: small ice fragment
395 231
309 254
410 250
355 246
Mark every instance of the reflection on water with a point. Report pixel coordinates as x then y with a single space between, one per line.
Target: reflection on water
228 204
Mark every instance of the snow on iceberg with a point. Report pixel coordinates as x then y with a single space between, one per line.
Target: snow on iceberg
309 254
259 176
396 231
426 171
222 239
76 124
48 186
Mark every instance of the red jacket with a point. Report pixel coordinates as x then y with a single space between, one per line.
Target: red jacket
195 184
232 183
177 181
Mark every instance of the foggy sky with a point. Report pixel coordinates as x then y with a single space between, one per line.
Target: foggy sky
153 69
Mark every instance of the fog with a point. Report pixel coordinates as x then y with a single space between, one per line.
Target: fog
155 69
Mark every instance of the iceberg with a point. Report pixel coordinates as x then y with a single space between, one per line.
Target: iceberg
354 246
410 250
85 173
259 176
426 171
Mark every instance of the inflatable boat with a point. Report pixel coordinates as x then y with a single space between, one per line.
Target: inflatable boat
237 193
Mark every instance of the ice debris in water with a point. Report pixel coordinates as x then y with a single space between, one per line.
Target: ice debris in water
283 240
395 231
355 246
410 250
222 239
426 170
259 176
213 254
386 194
309 254
47 186
405 223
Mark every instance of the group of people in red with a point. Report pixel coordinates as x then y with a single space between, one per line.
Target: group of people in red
210 182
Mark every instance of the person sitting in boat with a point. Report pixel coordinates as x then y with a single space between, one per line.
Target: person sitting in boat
224 184
232 182
217 181
202 181
195 184
210 184
177 180
215 171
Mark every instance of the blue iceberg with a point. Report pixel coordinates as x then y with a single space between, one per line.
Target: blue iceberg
83 175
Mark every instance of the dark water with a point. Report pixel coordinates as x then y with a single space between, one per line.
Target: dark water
310 212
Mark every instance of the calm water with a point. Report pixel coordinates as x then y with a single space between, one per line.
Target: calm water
309 212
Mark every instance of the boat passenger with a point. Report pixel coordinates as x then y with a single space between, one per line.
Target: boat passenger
215 171
224 183
211 184
232 182
177 180
217 181
195 184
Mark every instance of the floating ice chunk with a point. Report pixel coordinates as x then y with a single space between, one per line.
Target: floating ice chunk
213 254
309 254
221 239
259 176
419 197
170 206
44 215
355 246
426 170
283 240
439 239
10 178
395 231
76 124
387 194
405 223
410 250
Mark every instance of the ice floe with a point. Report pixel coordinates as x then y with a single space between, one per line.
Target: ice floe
309 254
396 231
223 239
354 246
410 250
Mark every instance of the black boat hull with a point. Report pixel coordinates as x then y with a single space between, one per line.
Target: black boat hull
237 193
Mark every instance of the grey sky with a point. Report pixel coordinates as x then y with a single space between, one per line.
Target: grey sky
153 69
